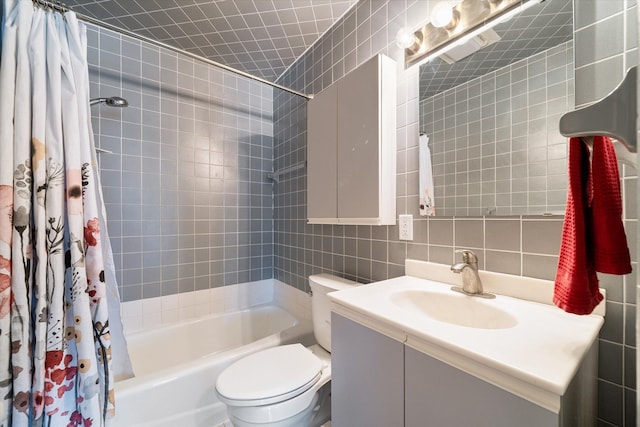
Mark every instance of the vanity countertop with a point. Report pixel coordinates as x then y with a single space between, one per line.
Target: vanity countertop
535 354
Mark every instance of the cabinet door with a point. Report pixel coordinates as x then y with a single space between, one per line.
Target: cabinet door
322 167
367 376
358 145
437 394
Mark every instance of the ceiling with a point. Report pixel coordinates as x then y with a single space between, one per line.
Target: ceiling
260 37
535 30
264 37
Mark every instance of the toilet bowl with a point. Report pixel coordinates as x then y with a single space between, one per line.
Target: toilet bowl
286 385
276 387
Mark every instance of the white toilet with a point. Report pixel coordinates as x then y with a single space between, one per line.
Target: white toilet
286 385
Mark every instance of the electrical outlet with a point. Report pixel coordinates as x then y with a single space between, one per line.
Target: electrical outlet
406 227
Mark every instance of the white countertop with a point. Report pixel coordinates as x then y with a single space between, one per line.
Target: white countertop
536 358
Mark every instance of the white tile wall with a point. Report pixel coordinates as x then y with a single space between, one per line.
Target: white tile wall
297 302
161 311
151 313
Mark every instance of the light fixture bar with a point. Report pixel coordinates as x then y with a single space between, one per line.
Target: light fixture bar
476 17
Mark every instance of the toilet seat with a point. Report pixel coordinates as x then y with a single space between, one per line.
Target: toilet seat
269 376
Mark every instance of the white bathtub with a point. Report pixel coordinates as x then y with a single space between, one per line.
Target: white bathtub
176 366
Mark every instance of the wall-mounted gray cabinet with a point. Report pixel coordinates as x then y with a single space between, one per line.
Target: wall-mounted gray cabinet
351 148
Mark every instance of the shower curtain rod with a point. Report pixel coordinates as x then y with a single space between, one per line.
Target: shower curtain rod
62 8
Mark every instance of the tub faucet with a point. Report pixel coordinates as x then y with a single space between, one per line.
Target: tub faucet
468 268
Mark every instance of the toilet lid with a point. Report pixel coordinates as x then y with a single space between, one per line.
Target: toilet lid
269 373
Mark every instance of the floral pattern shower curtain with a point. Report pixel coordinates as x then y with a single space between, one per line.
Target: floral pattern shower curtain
55 348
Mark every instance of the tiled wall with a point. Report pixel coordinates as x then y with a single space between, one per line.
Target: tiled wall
518 245
187 201
495 143
606 41
370 252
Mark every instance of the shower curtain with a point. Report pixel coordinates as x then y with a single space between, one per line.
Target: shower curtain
55 332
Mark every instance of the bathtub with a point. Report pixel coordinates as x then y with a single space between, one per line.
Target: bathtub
176 366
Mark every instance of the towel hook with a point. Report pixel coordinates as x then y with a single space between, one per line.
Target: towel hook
613 116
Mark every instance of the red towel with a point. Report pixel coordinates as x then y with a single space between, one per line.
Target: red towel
610 251
592 228
576 286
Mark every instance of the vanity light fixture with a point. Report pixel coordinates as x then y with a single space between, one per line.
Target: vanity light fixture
454 23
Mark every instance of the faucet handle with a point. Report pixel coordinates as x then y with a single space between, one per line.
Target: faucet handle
468 256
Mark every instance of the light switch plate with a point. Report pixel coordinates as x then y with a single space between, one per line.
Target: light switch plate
406 227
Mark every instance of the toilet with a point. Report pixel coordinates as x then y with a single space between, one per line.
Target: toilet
287 385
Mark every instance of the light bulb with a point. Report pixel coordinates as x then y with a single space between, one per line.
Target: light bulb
441 14
405 38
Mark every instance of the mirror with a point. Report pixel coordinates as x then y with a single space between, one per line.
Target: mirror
492 118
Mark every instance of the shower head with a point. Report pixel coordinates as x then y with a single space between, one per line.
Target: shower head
114 101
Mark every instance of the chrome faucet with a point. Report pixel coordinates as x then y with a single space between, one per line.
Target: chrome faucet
468 268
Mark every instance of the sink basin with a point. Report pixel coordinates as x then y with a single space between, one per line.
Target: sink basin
456 309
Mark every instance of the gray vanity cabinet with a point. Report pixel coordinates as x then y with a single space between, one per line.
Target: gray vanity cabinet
367 369
439 395
378 381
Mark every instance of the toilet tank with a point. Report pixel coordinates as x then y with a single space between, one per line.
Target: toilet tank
321 285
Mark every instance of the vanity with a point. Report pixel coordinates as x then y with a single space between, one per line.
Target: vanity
411 352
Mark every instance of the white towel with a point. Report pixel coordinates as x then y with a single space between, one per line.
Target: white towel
427 201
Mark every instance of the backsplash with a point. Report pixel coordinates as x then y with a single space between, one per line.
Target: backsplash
188 204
